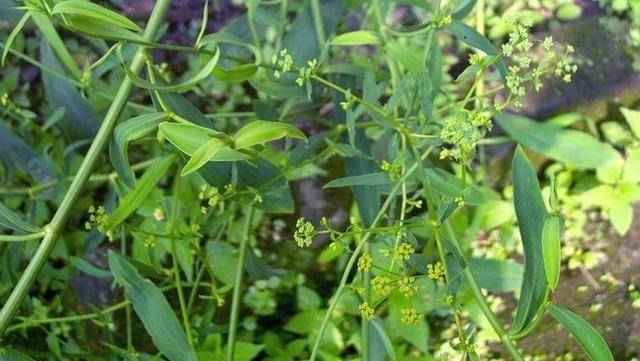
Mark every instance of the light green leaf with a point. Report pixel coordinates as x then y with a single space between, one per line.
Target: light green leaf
621 215
16 30
89 9
125 132
633 119
631 172
12 220
371 179
575 148
360 37
262 131
144 186
588 337
50 33
186 137
405 55
568 12
153 310
202 155
206 70
97 28
551 248
531 214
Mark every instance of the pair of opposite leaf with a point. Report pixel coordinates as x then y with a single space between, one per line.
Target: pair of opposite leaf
206 145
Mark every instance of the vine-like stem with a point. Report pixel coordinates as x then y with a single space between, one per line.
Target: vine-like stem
237 287
54 228
354 257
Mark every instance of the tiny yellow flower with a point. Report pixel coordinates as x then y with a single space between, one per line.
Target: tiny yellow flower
382 285
158 214
410 316
407 286
436 272
403 251
365 262
366 311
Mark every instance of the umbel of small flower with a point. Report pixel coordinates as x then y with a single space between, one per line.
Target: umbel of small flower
366 311
284 61
403 251
407 286
462 132
100 219
304 233
364 262
436 272
382 285
410 316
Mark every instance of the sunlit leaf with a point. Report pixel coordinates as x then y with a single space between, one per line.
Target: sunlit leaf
262 131
360 37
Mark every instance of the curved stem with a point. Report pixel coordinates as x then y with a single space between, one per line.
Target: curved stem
22 237
237 288
95 151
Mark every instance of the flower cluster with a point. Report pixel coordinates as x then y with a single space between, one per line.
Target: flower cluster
403 251
365 262
349 100
210 197
284 61
382 285
366 311
306 71
407 286
462 132
100 219
9 105
304 233
410 316
436 272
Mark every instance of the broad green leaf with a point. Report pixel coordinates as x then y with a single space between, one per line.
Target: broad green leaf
206 70
144 186
125 132
360 37
379 335
631 172
186 137
97 28
153 310
46 27
262 131
633 119
16 30
12 220
551 238
496 275
621 215
88 268
245 351
462 9
531 214
575 148
202 155
588 337
568 12
451 186
474 39
89 9
371 179
80 120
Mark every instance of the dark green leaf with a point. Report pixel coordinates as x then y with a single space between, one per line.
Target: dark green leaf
89 9
153 310
588 337
15 154
99 29
371 179
89 269
531 214
10 219
16 30
50 33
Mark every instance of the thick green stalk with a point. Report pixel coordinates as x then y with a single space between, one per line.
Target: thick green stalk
237 288
56 226
355 254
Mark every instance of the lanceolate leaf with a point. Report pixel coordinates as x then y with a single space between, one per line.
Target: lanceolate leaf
144 186
262 131
202 155
98 28
360 37
153 310
16 30
371 179
125 132
10 219
50 33
570 146
531 214
89 9
588 337
186 137
551 237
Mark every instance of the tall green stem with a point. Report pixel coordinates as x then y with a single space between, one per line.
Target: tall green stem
56 226
316 12
237 288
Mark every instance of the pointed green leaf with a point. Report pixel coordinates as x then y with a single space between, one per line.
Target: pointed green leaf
202 155
50 33
153 310
12 220
360 37
621 216
262 131
570 146
16 30
89 9
551 238
588 337
531 214
633 119
144 186
125 132
186 137
371 179
99 29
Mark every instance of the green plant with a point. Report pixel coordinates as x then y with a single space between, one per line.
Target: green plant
187 233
